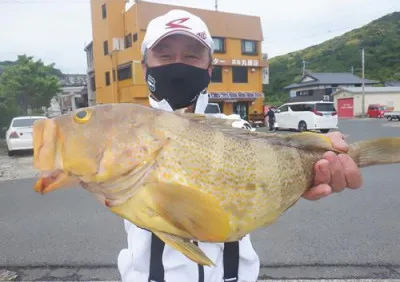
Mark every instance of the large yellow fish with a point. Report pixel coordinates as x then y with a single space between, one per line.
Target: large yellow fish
185 176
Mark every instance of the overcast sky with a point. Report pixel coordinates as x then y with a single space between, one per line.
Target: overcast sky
58 30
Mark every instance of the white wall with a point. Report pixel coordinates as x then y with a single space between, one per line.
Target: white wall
389 99
293 91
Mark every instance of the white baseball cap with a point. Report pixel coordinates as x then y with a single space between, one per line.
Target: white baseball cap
176 22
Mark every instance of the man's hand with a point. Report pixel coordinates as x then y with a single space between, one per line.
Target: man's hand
334 172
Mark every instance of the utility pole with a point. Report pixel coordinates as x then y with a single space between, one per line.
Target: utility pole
363 76
352 69
216 5
304 66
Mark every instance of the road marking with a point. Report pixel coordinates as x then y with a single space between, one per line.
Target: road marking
392 124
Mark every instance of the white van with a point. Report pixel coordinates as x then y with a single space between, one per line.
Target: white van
307 116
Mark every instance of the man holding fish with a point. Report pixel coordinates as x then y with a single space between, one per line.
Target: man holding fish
177 62
191 187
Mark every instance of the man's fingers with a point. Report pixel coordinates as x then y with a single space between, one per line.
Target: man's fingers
338 142
338 179
317 192
352 172
322 174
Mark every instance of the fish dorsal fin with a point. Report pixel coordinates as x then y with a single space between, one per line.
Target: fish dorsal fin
207 119
224 125
302 140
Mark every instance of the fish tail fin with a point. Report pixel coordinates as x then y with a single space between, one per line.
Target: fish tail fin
376 152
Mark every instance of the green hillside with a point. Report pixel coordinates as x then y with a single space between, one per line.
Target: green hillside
380 39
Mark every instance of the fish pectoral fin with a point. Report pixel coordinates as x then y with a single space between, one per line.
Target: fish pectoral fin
190 210
186 247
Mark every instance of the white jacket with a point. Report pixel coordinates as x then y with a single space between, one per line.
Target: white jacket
134 261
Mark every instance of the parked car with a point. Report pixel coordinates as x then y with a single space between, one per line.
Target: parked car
19 133
377 111
214 110
304 116
392 115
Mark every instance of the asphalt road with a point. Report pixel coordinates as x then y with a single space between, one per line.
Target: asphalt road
68 235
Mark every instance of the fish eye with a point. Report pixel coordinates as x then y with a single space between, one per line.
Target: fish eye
82 116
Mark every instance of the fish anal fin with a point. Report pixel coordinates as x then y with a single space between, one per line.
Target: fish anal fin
189 249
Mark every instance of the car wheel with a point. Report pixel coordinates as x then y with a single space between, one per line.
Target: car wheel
302 126
324 130
246 127
10 153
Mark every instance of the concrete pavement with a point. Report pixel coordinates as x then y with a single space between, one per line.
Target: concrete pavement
352 235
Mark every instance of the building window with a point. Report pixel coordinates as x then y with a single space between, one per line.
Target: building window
104 11
128 41
219 45
107 78
124 72
216 75
249 47
305 93
105 47
134 37
239 74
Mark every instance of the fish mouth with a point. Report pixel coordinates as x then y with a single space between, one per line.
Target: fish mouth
47 140
53 180
44 144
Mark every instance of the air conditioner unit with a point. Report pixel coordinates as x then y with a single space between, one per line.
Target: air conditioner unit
326 98
118 44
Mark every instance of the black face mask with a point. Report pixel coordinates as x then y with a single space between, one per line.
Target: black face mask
179 84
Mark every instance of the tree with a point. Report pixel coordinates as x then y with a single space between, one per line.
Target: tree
380 39
28 84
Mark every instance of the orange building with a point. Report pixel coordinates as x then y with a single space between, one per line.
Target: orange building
116 70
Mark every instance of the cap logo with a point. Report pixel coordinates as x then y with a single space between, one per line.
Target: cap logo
202 35
177 23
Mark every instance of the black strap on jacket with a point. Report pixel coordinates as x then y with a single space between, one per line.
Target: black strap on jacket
231 261
201 268
156 273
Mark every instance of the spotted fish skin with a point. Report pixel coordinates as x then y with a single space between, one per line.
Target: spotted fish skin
185 176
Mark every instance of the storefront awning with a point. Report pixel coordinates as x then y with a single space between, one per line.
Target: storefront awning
242 96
